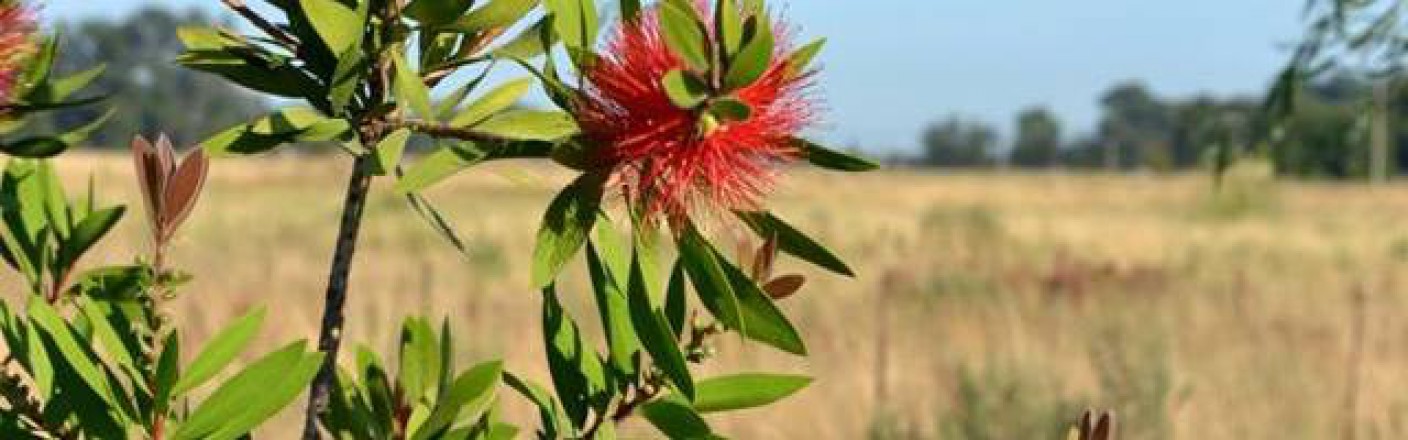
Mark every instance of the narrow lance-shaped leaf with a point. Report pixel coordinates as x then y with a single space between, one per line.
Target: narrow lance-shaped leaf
683 31
420 360
467 397
833 160
676 419
614 309
793 241
253 395
764 321
576 372
566 225
494 14
493 102
452 158
337 25
410 89
220 351
742 391
754 58
654 330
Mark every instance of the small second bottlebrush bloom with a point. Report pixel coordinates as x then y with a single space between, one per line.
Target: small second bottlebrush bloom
670 162
16 44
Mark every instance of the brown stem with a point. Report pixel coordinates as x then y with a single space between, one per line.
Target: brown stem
154 325
627 407
255 19
330 336
442 130
371 130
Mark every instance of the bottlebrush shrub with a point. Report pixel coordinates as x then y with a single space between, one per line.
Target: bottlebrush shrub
29 85
686 116
92 354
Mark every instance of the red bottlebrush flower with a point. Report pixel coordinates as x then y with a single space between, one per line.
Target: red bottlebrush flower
665 160
16 43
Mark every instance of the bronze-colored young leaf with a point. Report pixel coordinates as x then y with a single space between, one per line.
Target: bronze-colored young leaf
784 286
184 189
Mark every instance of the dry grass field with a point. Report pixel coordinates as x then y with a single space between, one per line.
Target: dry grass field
991 305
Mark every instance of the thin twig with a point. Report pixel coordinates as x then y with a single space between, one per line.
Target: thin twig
239 7
442 130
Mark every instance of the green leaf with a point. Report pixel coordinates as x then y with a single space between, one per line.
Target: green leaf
760 319
530 43
551 419
410 89
676 419
676 300
49 146
348 74
684 90
566 224
630 9
728 25
733 298
279 127
614 309
466 399
437 12
742 391
275 75
793 241
113 346
576 24
755 58
240 139
493 102
801 60
730 109
420 361
576 372
73 353
453 158
220 351
388 151
711 284
91 229
55 91
833 160
253 395
339 26
495 14
654 330
683 32
529 125
168 370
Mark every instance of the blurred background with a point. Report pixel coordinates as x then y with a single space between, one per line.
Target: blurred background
1087 204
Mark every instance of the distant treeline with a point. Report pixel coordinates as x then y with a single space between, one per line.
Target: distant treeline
1327 136
148 91
1137 130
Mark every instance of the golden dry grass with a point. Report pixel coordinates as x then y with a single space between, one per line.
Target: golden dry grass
1192 317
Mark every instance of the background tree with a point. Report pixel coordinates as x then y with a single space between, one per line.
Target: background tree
959 142
153 93
1038 140
1134 128
1363 39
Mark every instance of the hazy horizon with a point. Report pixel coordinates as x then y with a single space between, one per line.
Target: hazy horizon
887 74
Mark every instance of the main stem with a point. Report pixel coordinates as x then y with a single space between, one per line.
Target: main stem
330 335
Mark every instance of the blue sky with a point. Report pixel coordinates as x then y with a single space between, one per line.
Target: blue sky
893 65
